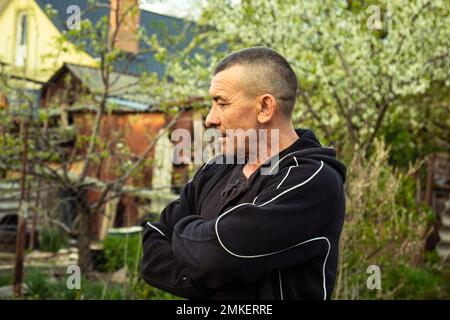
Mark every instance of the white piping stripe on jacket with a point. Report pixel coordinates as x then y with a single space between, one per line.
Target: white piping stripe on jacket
282 250
152 226
289 171
286 191
273 167
281 286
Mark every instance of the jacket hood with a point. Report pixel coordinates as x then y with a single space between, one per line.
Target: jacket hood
308 146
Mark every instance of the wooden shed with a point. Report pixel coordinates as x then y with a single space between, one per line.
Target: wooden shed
128 125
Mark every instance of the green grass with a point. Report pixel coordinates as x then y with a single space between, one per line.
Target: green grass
401 281
123 251
6 279
52 239
40 286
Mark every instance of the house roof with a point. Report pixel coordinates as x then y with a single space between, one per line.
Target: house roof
155 24
125 90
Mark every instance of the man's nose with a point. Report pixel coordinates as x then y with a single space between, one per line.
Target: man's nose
212 119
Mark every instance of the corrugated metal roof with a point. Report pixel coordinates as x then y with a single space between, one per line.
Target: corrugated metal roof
125 89
126 93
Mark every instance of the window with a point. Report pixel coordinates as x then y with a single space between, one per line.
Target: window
21 49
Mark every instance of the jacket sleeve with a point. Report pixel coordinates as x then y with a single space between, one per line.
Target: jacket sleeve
159 267
289 223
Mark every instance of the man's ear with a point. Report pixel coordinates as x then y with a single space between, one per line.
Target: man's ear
267 105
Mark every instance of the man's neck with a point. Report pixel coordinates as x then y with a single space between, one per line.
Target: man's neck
286 139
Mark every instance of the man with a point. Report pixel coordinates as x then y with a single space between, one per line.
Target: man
235 233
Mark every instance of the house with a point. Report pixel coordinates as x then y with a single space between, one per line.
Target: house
28 40
30 29
65 78
130 121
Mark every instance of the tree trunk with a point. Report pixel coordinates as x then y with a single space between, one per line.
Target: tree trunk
84 236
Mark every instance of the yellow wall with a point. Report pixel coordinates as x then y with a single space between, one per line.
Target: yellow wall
44 56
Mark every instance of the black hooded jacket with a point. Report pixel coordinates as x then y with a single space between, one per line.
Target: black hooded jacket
279 240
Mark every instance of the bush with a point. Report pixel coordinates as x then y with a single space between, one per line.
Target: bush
6 279
142 291
384 225
41 286
405 281
37 284
123 250
52 239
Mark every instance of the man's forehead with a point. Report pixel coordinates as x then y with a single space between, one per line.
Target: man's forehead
216 88
226 81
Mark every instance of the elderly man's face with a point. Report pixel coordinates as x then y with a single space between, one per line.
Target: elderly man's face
232 107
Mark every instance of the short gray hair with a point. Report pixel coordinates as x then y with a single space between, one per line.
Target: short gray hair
271 73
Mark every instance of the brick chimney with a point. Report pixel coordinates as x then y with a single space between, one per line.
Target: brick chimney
123 24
